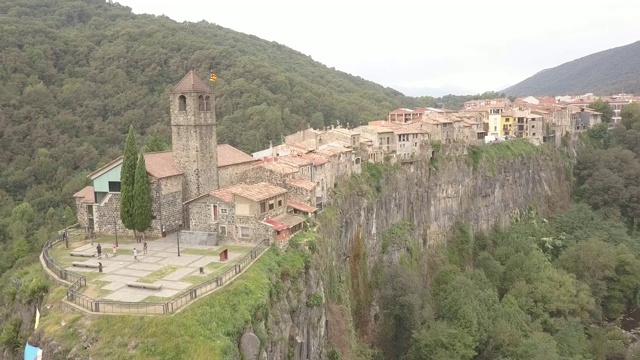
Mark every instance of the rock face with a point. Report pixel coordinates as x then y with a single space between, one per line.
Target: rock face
295 327
250 346
435 200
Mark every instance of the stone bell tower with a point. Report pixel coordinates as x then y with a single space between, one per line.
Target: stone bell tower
193 133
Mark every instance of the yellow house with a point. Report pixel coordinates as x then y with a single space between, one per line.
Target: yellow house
506 123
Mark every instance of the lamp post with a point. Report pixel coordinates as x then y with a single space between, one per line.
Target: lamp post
179 228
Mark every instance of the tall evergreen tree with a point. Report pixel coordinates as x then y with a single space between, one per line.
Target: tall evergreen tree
142 197
127 181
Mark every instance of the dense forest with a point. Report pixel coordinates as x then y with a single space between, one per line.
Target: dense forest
612 71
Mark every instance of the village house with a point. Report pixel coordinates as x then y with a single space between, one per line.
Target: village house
409 141
244 212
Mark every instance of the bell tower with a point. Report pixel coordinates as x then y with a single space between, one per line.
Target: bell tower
193 134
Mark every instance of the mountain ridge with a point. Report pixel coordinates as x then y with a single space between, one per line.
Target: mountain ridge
615 70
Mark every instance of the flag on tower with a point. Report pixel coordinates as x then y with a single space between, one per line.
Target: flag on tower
213 76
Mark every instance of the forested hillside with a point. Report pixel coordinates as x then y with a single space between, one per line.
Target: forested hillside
75 74
607 72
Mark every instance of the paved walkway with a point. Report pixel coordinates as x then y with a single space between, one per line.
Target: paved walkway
161 258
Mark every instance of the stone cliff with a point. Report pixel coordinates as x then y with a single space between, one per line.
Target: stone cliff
454 187
435 198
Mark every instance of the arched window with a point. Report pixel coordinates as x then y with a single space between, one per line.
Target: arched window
182 103
207 103
201 103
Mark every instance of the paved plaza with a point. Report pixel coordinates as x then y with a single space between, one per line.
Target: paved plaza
160 266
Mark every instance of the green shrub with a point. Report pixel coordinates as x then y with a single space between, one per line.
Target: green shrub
314 300
10 335
334 354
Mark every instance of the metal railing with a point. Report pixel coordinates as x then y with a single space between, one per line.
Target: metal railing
77 282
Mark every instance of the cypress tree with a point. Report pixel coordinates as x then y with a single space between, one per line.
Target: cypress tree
127 181
142 197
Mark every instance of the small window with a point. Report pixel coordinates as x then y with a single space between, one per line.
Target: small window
263 207
279 202
201 103
207 103
224 211
244 231
223 230
182 103
114 186
272 205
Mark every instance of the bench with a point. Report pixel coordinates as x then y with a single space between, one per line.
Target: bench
144 286
81 254
85 265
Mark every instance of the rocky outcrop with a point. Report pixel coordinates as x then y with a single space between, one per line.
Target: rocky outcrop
295 325
435 199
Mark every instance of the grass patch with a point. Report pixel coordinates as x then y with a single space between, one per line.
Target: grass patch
491 154
215 268
159 274
155 299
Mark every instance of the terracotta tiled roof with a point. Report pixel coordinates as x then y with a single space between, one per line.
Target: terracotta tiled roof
304 184
191 83
295 160
225 194
228 155
87 194
302 206
280 168
382 123
277 226
408 130
289 219
161 164
316 159
258 192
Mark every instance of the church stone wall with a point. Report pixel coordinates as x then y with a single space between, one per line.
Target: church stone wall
229 175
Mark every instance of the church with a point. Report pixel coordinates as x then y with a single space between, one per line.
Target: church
199 185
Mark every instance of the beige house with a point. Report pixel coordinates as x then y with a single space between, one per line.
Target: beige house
243 212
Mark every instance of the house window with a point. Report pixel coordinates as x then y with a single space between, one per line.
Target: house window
224 211
244 231
272 205
533 126
263 207
182 103
114 186
222 230
279 202
207 103
214 212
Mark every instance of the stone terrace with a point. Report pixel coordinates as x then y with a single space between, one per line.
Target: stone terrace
160 266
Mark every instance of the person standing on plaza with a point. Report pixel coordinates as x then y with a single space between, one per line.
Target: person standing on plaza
135 254
99 250
144 247
115 248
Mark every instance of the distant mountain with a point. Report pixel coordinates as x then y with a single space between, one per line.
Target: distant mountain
611 71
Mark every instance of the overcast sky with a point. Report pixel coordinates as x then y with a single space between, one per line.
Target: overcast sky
429 47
